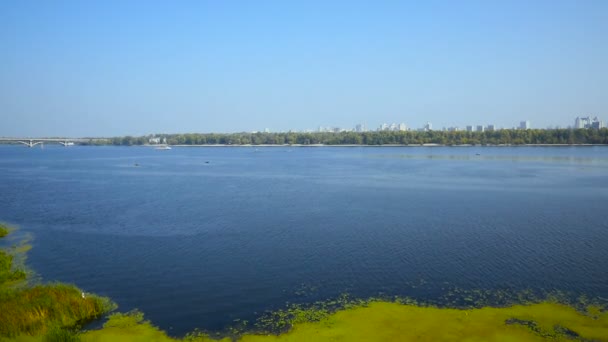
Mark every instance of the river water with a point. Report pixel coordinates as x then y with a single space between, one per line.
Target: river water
199 237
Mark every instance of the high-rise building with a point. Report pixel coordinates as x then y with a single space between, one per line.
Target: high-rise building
587 122
360 128
479 128
402 127
580 122
524 125
597 123
428 127
491 127
469 128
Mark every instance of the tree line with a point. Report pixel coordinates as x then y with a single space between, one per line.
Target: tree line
505 136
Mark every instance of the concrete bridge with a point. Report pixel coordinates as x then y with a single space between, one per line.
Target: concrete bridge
31 142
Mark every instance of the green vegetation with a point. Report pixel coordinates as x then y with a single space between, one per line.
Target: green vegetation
7 273
392 321
386 321
401 319
42 309
35 310
3 230
132 327
500 137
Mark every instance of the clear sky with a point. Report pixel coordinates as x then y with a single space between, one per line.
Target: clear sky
106 68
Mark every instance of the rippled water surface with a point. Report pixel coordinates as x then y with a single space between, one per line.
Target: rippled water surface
197 237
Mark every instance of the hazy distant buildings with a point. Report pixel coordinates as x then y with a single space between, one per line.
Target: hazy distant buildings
360 128
329 129
579 122
582 122
597 124
587 122
393 127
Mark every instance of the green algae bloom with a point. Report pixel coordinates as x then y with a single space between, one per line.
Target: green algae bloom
386 321
131 327
390 321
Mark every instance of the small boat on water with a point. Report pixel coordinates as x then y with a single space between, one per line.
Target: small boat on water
163 147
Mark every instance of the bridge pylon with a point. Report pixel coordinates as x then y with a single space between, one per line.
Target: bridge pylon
30 143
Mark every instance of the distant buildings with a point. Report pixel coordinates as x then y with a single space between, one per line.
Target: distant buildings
582 122
597 124
393 127
360 128
476 128
579 122
586 122
330 129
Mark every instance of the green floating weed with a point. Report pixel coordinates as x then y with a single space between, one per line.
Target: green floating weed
125 320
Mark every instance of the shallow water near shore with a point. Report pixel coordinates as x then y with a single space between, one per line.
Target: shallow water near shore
196 238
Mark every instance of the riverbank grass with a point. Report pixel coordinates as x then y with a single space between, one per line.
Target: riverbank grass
41 309
36 310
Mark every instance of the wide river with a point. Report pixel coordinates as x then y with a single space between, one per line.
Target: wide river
199 237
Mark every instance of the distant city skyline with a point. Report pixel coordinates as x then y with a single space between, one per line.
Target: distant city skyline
115 68
578 122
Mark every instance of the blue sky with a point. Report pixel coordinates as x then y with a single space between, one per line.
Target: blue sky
105 68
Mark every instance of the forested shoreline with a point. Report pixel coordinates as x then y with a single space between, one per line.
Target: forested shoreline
499 137
509 137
